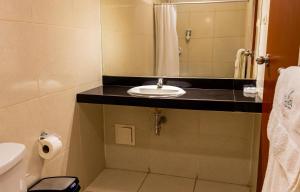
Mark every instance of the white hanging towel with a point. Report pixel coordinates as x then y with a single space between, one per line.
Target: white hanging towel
283 171
167 47
240 65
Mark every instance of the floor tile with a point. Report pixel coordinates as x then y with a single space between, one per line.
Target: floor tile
205 186
112 180
163 183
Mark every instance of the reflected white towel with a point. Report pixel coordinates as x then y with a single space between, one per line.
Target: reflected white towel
283 172
240 65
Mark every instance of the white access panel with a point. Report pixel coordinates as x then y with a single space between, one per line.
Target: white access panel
125 134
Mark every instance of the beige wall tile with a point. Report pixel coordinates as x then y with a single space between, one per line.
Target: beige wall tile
200 69
143 18
118 53
226 20
226 134
202 7
92 140
142 118
18 72
86 13
56 166
177 164
128 37
223 69
202 24
143 55
57 113
54 12
230 23
225 49
183 23
55 54
229 170
75 159
201 50
88 86
183 8
21 123
204 143
128 158
16 10
230 6
118 17
179 134
88 58
47 55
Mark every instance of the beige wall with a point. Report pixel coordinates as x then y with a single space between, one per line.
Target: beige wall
49 51
217 146
218 31
128 37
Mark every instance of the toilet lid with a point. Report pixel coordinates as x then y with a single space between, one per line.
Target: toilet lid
10 155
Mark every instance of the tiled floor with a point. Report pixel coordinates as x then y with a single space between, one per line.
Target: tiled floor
113 180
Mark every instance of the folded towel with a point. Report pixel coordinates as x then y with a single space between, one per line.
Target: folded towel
283 172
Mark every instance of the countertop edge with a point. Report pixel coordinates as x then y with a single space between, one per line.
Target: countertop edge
173 103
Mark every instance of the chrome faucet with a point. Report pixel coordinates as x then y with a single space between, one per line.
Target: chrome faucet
160 83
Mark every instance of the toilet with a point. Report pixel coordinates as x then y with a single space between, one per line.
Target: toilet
12 168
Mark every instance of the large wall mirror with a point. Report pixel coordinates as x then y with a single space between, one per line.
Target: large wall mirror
178 38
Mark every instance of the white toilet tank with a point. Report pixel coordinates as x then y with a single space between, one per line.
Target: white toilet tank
12 168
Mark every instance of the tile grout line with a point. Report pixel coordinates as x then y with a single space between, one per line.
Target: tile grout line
195 183
142 183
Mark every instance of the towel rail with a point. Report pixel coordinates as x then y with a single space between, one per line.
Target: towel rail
202 2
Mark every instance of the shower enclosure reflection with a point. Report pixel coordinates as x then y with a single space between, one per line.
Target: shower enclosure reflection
186 39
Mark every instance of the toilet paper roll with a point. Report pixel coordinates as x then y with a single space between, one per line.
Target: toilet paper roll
49 147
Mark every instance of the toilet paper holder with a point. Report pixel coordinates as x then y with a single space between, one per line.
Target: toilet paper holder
44 135
49 145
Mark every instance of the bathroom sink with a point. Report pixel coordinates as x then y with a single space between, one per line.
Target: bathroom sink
153 91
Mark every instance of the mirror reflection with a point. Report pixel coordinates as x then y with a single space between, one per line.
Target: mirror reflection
178 38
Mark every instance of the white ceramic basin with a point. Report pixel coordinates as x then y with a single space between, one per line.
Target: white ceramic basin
153 91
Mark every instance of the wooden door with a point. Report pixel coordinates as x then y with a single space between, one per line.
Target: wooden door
283 46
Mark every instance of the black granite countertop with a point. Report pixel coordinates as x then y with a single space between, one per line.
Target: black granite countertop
195 99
